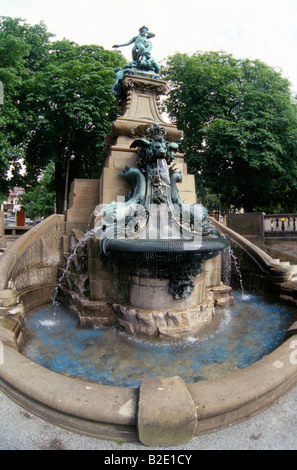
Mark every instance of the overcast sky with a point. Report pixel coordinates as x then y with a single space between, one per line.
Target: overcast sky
256 29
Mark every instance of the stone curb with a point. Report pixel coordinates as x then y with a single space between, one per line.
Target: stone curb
112 412
242 394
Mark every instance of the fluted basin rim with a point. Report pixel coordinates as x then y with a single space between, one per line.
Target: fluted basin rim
167 246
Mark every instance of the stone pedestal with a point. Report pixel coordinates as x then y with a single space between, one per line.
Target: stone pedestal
155 293
170 322
140 109
152 310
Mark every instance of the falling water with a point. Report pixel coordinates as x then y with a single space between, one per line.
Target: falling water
226 266
230 261
71 257
237 269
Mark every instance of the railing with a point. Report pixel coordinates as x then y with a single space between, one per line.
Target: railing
15 230
280 223
271 268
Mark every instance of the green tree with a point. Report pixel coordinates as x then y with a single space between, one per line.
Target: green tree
240 129
39 200
58 102
74 107
22 47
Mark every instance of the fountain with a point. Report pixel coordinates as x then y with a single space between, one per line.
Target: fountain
168 251
161 243
150 267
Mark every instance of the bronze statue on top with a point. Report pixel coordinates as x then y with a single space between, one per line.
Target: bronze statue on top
142 59
142 46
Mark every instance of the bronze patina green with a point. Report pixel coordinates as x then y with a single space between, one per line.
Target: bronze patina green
142 61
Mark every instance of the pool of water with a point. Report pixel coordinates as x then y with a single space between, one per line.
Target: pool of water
244 333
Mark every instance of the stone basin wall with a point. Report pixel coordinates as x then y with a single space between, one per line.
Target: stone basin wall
28 276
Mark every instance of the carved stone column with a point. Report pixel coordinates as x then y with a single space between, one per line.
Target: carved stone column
141 105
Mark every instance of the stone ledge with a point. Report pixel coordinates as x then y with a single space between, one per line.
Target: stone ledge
90 401
242 394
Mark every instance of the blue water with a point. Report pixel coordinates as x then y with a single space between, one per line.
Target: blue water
243 333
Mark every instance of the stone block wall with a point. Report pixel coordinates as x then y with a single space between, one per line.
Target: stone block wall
250 223
28 275
34 258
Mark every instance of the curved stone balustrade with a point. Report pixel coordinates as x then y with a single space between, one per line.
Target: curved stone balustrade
276 272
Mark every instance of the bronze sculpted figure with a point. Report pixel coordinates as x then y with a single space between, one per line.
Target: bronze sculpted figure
142 45
141 52
154 222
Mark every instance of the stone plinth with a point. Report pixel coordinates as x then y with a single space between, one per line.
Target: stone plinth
143 304
152 310
142 105
140 109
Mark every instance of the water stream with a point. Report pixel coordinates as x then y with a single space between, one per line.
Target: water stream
80 244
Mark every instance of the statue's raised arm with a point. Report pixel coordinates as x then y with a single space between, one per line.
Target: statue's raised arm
142 60
127 43
142 45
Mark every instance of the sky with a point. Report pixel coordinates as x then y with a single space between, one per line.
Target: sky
255 29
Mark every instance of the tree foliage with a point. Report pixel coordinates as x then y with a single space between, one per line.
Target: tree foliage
240 129
39 200
22 48
58 103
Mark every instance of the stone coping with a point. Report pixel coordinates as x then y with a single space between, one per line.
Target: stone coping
13 254
113 412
